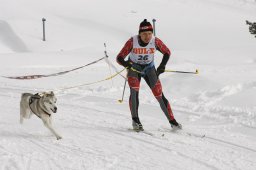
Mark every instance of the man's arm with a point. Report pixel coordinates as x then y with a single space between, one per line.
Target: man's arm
160 46
124 52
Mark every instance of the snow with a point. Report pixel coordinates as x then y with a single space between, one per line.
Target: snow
219 102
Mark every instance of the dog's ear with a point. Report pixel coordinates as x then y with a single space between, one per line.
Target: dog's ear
49 94
41 94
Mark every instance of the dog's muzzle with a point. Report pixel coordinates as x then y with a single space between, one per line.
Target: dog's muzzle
54 110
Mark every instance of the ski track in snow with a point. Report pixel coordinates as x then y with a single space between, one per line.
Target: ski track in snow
80 117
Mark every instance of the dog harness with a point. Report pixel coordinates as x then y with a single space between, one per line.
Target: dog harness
32 99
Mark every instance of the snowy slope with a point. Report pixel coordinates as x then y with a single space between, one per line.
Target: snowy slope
209 35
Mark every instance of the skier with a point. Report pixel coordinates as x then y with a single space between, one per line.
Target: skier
141 64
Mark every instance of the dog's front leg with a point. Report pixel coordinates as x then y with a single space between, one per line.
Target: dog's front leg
47 123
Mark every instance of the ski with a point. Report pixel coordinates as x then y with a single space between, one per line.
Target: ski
141 131
177 131
183 132
195 135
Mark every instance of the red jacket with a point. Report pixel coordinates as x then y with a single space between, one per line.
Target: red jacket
160 46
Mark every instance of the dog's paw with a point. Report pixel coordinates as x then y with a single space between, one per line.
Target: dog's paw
59 137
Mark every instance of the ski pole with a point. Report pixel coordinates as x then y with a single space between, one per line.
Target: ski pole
174 71
106 58
188 72
120 101
154 26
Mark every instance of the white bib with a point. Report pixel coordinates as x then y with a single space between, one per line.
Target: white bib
142 55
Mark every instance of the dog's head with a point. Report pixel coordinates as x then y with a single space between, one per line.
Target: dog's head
49 100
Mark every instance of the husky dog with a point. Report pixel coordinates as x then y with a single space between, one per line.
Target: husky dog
40 104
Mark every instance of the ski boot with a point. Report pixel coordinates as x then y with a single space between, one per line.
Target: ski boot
137 126
175 125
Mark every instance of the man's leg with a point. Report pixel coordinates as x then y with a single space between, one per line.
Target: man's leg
134 83
156 87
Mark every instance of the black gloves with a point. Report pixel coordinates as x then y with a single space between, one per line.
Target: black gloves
160 69
127 64
124 63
